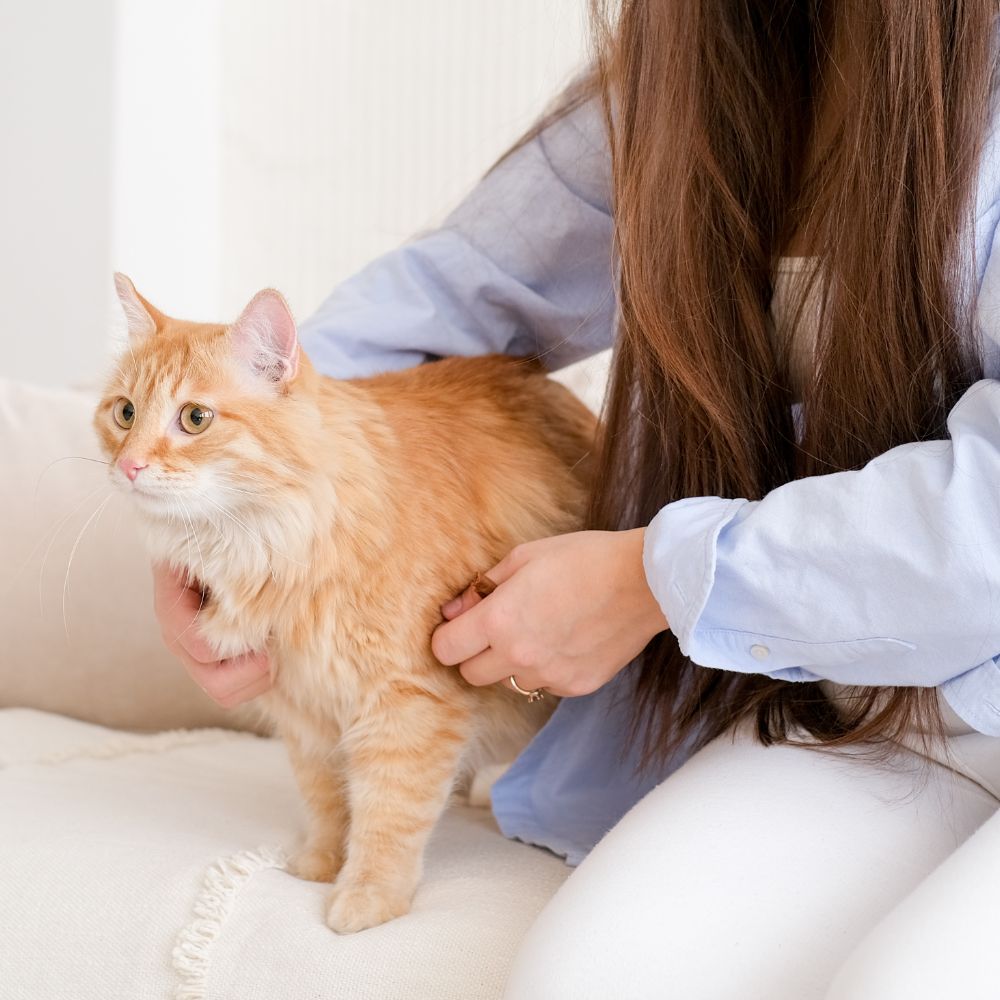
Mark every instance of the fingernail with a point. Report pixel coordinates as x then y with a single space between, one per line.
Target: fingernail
452 607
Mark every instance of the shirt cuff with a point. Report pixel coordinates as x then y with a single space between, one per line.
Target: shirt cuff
975 696
680 558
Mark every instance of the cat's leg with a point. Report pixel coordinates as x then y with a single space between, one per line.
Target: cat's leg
401 767
322 782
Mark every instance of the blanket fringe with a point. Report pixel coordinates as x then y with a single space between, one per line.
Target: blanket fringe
223 881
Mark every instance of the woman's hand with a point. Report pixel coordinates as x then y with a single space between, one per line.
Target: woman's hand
568 613
228 682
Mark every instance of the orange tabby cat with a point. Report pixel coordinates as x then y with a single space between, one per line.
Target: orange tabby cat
327 521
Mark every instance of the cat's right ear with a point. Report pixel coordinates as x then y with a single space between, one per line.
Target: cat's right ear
143 319
265 340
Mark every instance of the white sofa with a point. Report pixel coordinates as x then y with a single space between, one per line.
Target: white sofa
148 864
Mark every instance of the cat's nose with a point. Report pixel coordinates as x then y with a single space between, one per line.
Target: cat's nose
131 467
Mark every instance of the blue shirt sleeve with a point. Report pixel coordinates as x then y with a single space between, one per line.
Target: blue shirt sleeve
522 266
887 575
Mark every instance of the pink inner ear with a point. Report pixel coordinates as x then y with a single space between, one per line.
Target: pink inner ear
140 323
265 339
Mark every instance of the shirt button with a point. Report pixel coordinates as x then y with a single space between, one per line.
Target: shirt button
759 652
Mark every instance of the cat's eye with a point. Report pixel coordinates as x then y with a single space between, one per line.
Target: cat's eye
124 413
195 418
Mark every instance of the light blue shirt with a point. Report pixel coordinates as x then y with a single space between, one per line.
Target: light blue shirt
889 575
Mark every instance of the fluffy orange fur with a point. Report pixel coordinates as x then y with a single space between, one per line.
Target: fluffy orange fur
327 521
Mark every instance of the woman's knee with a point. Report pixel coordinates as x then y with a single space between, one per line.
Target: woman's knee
940 940
752 872
559 960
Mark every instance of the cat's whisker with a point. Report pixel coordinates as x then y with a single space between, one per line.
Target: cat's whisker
250 533
250 493
201 603
193 534
246 530
65 458
72 553
45 535
188 530
222 535
201 554
51 533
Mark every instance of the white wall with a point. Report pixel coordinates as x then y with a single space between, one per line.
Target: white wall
166 182
211 147
349 125
55 135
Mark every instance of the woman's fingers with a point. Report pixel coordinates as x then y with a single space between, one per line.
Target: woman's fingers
485 668
491 667
251 691
232 682
465 601
461 638
485 584
177 606
228 682
510 564
464 634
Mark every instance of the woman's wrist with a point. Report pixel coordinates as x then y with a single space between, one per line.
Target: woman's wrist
650 613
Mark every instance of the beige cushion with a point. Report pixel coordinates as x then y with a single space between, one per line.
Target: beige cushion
75 590
149 866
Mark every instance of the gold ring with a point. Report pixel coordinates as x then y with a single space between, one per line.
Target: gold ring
537 695
483 585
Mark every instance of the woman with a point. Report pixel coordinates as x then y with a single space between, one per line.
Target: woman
799 508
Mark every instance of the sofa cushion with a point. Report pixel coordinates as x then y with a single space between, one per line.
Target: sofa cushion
138 865
75 589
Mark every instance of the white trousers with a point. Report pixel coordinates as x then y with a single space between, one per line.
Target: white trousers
784 873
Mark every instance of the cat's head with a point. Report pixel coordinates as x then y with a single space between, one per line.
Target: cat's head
198 420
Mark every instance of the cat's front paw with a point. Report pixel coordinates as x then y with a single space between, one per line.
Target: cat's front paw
316 865
356 907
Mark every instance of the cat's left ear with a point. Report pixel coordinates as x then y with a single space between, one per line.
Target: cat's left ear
264 338
142 318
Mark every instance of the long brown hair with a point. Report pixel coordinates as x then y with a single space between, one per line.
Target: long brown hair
710 107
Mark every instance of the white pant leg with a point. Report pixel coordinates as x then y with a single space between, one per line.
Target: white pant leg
941 940
750 874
